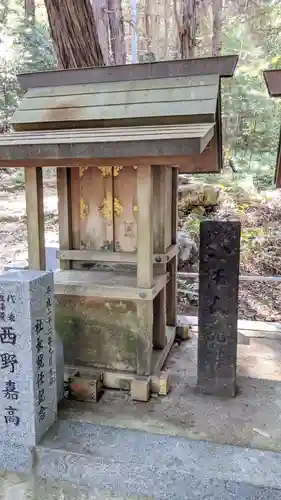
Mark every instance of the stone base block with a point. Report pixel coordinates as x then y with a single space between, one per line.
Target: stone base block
87 389
183 332
140 388
160 384
242 339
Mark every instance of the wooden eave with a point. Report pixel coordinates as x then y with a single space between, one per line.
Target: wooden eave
224 66
96 147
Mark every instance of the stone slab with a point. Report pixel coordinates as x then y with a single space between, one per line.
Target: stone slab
16 458
28 392
16 487
218 307
138 463
16 266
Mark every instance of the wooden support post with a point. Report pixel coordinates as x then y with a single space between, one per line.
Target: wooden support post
35 217
75 207
144 268
159 320
175 173
64 211
144 228
160 209
172 266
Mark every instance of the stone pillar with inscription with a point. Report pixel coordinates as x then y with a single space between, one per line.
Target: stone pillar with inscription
28 390
218 307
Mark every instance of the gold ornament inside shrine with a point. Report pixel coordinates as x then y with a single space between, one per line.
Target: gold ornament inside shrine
118 137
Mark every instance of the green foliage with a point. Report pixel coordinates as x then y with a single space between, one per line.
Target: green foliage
23 48
192 224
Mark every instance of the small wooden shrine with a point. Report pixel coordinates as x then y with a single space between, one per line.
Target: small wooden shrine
273 82
118 137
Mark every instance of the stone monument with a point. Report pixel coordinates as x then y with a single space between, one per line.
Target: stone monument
28 389
218 307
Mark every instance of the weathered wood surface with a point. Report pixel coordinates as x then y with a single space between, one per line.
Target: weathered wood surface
162 208
106 284
35 218
169 92
124 185
96 214
223 66
108 256
76 149
145 227
81 136
119 114
123 86
64 212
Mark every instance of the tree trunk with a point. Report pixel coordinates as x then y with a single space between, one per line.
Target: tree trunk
187 26
148 25
74 33
100 9
217 27
117 34
188 34
29 9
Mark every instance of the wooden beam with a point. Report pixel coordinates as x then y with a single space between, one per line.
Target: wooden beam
223 66
144 227
172 267
124 257
100 150
173 161
64 213
106 284
159 208
35 218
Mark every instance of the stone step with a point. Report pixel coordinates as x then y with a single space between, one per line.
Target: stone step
252 329
135 463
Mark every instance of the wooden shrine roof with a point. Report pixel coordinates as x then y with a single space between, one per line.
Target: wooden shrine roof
224 66
273 82
166 110
105 145
137 102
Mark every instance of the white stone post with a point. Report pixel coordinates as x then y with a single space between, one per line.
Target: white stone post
28 388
